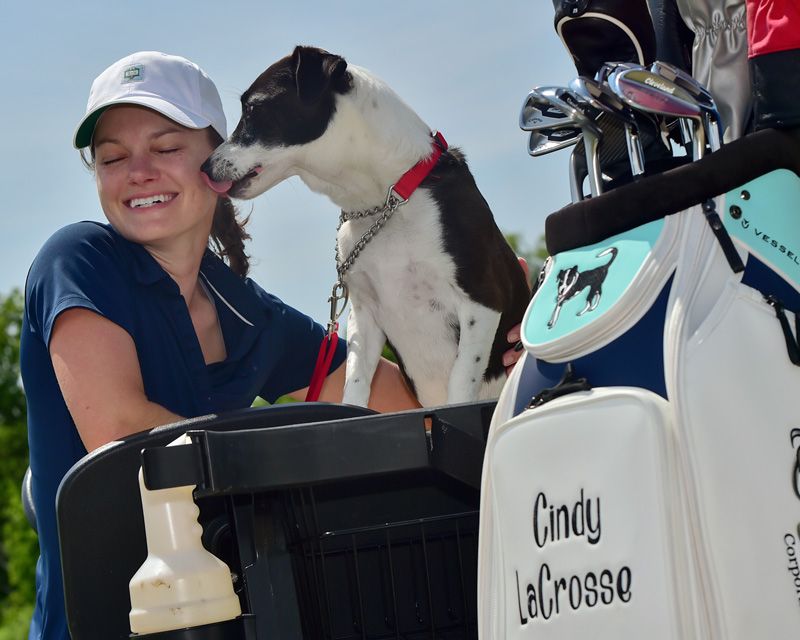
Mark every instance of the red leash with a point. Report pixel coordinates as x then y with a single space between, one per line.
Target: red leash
404 187
323 366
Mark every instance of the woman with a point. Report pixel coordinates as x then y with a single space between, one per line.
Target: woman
136 323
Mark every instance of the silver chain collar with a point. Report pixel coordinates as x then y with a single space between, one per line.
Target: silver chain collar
393 201
339 293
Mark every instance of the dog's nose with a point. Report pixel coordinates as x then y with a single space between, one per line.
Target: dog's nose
206 166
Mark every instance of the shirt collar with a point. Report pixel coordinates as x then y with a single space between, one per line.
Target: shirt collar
228 288
232 291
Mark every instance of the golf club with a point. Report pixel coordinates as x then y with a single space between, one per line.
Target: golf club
712 118
599 97
649 92
547 141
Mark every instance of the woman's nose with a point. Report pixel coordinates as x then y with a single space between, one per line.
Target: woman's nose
141 168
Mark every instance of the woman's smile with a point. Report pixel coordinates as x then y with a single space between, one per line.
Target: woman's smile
148 202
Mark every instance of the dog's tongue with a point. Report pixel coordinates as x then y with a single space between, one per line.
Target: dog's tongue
219 187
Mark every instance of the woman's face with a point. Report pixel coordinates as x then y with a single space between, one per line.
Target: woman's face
148 178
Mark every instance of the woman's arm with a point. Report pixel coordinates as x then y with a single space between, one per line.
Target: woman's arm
97 368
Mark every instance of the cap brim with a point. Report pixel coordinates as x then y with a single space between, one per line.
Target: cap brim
85 131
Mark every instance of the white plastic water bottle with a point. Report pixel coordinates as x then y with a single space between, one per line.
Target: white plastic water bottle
180 584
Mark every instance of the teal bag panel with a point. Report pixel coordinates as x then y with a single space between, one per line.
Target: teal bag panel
592 280
764 215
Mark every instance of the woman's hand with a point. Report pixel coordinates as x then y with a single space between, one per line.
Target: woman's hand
511 356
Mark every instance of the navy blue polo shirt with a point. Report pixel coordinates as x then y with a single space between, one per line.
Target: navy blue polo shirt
271 350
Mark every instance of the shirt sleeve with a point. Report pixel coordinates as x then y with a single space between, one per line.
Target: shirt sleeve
773 29
298 338
772 26
78 266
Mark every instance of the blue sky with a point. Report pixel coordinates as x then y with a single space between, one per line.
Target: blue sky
464 66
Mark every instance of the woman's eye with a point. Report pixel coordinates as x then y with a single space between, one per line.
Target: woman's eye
169 150
109 161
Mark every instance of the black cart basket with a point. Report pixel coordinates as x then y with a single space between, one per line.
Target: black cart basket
335 522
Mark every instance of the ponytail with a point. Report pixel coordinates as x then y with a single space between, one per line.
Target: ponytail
227 231
228 237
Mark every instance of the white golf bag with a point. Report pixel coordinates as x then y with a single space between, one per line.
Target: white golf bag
642 468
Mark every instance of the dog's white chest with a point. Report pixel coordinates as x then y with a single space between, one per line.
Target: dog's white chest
403 267
406 282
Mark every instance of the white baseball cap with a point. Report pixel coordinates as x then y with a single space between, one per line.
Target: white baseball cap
171 85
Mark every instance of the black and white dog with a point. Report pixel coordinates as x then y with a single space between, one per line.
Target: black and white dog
571 281
438 281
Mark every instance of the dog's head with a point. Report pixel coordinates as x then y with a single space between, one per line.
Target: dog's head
565 280
289 105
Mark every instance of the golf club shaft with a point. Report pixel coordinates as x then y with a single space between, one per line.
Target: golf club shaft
575 179
590 144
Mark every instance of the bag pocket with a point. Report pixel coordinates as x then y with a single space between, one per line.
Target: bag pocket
737 403
590 296
582 532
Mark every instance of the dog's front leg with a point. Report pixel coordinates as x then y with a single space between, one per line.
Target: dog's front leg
478 325
365 342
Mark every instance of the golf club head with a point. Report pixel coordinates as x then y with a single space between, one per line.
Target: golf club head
544 105
587 108
644 90
539 112
610 67
601 97
682 79
547 141
714 128
649 92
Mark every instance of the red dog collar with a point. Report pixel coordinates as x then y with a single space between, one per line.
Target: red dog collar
412 178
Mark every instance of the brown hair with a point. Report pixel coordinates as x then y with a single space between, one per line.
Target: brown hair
227 230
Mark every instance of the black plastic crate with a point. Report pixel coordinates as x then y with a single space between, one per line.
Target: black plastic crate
401 579
335 523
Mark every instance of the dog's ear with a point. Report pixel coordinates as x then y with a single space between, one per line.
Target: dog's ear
316 70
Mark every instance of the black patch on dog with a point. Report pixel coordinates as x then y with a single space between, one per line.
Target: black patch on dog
491 276
292 102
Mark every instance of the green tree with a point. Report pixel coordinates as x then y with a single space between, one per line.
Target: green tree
18 543
535 255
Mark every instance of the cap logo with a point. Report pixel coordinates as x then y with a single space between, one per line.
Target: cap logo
134 73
